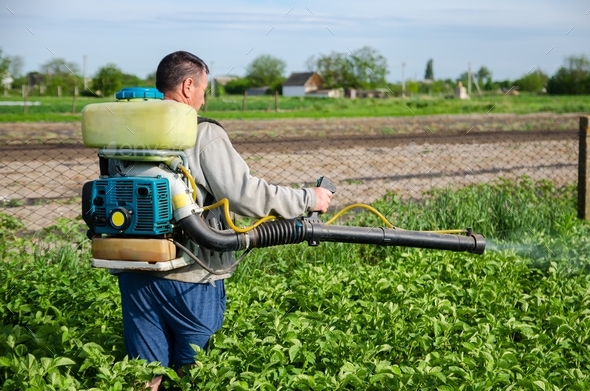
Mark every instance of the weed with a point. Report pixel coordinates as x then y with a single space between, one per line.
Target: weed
387 131
11 203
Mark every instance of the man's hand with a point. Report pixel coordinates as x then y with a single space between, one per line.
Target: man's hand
322 199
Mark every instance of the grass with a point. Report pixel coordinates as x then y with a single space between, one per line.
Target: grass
53 109
337 316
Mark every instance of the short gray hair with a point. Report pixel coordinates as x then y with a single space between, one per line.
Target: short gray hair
176 67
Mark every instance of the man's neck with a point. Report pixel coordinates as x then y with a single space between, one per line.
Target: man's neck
175 97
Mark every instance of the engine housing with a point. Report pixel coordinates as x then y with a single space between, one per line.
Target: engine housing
135 206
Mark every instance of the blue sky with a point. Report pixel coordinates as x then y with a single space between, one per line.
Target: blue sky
509 37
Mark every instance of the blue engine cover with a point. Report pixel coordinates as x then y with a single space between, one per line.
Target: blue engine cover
130 206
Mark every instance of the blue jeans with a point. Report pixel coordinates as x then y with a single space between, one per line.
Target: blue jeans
162 318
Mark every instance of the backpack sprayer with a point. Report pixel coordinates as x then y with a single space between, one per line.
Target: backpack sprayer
142 214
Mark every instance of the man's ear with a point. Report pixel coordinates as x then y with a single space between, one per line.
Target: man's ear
187 86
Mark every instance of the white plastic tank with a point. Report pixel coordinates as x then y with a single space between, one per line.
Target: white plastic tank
139 119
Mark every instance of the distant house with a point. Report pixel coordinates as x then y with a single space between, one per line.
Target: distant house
371 93
301 84
35 78
332 93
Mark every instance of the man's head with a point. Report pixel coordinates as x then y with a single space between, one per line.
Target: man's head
182 77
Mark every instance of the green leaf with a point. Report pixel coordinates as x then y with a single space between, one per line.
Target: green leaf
539 384
563 329
5 362
61 361
293 350
382 284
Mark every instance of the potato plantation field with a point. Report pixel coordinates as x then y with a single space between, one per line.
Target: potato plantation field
337 316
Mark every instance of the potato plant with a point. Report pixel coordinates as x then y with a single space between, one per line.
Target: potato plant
338 316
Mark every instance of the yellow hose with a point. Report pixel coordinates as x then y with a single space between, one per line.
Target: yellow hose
367 207
225 203
190 179
449 231
230 223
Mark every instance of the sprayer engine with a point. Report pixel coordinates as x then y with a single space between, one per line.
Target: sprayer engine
128 206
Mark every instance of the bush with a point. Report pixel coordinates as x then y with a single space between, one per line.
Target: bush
238 86
571 79
533 82
107 80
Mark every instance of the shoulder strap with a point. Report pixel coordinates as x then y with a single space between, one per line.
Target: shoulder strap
205 119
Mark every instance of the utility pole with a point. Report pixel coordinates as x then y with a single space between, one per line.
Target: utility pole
469 78
85 77
476 85
403 79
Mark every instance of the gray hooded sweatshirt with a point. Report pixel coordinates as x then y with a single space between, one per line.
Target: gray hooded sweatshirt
219 170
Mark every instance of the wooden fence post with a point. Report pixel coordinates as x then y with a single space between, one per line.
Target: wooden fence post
74 99
276 101
25 93
583 167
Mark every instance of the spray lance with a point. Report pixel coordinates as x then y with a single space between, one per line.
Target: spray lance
143 209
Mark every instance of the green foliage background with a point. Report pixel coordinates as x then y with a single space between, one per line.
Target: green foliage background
338 316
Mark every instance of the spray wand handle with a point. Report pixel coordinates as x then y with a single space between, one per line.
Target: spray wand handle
326 184
315 216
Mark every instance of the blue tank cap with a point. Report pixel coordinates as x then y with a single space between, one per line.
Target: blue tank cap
139 93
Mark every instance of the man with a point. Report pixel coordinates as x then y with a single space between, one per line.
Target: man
165 312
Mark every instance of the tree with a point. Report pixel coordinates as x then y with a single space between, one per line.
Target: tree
572 78
128 80
60 72
483 73
265 70
369 67
150 79
484 77
16 66
363 68
60 67
4 65
532 82
107 80
429 74
335 69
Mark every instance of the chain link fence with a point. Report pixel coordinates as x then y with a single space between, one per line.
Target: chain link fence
41 181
